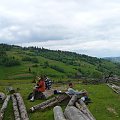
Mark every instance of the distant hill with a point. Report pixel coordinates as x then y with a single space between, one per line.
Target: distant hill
25 63
113 59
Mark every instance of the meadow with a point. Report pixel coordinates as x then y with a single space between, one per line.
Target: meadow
105 104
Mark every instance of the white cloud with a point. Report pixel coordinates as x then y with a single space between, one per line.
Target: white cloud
74 25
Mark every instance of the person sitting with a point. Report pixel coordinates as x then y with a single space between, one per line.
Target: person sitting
39 89
48 83
83 94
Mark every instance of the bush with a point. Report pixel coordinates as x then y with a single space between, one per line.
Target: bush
34 59
6 61
57 68
26 59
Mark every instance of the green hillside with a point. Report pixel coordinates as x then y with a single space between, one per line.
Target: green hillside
19 66
113 59
25 63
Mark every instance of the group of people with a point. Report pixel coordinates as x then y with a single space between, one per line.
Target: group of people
44 83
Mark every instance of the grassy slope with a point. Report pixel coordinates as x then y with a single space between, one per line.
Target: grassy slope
105 102
85 65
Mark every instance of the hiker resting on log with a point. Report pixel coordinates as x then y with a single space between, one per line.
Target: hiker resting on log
39 89
83 94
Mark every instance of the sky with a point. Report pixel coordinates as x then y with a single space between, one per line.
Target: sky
90 27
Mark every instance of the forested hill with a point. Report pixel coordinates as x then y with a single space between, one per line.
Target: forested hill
113 59
25 63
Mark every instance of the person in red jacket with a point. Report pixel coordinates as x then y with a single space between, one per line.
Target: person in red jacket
39 88
41 85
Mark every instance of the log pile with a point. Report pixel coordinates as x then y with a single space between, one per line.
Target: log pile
4 106
20 112
114 87
51 102
75 110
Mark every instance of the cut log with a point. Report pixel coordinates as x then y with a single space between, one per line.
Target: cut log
4 106
83 108
15 108
115 88
58 113
51 102
72 101
72 113
39 106
22 108
2 96
10 90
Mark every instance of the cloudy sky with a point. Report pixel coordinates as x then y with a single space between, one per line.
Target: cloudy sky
89 27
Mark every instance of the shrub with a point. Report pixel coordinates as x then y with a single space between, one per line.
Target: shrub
31 59
7 61
57 68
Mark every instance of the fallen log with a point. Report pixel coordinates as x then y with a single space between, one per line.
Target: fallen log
39 106
72 101
22 108
72 113
58 114
15 108
51 102
4 106
114 88
83 108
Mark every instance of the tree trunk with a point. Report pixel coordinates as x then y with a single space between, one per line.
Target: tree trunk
72 113
115 88
72 101
58 114
83 108
51 102
22 108
4 106
15 108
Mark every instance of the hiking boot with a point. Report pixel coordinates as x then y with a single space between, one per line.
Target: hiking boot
32 99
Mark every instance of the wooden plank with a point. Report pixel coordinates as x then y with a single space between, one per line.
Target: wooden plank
58 113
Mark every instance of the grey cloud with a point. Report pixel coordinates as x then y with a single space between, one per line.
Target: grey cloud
29 21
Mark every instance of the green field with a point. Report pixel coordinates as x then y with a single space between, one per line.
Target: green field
105 104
